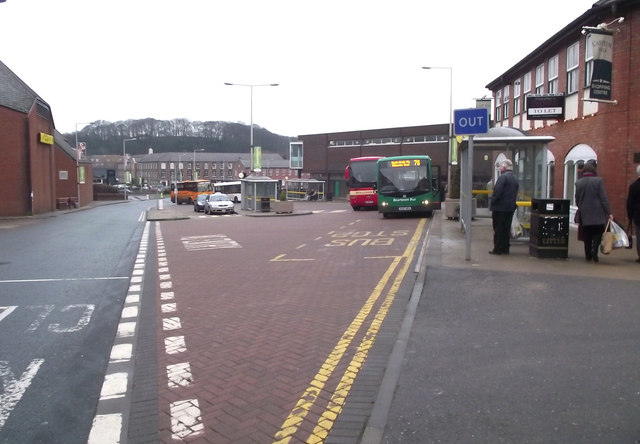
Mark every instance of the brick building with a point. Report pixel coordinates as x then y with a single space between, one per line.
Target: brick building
327 155
160 168
37 166
606 131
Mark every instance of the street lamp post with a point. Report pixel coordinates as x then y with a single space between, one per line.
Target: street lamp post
251 86
78 159
450 159
124 165
193 170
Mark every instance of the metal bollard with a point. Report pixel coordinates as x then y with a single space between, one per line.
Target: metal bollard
160 204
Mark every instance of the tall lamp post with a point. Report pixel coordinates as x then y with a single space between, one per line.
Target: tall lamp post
193 170
251 86
450 156
124 164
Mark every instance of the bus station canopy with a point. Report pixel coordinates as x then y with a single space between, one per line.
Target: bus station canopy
305 189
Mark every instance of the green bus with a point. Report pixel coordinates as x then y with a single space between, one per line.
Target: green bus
407 184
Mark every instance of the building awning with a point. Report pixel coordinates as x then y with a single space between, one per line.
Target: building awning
580 152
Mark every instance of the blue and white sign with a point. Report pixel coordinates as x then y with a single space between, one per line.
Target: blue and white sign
471 121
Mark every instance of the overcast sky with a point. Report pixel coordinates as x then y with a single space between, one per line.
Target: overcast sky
341 64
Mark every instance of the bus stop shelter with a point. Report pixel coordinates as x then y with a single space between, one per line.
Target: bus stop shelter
257 192
305 189
531 166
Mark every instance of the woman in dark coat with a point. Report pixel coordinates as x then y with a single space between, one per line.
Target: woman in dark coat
594 209
633 208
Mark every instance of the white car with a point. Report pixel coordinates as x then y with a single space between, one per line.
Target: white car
218 203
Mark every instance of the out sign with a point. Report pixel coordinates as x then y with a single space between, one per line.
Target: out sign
471 121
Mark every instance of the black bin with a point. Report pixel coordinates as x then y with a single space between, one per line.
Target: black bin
549 235
265 204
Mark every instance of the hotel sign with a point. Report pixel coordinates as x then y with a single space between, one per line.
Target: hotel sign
45 138
545 106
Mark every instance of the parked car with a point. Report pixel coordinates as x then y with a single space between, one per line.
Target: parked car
198 204
218 203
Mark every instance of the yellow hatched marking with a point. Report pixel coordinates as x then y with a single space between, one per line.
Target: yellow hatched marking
308 398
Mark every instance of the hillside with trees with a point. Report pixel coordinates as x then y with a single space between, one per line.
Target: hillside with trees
102 137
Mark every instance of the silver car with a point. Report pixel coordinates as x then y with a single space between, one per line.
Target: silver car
218 203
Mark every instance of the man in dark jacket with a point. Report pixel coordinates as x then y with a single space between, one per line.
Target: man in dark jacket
633 208
502 206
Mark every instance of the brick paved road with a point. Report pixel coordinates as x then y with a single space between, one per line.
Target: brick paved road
278 328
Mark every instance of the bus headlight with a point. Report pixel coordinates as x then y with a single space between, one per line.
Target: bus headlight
425 202
384 204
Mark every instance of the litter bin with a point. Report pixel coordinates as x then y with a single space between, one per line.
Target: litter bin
329 196
265 204
549 235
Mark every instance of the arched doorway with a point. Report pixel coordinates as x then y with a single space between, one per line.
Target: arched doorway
573 162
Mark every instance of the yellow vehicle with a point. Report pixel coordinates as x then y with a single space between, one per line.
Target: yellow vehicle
188 190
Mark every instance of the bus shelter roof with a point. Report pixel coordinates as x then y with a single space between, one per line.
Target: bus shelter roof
258 179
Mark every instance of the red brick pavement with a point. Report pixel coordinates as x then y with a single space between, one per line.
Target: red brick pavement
257 330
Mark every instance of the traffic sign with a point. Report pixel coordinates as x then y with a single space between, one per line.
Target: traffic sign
471 121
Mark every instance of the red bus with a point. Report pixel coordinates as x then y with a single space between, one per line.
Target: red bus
361 175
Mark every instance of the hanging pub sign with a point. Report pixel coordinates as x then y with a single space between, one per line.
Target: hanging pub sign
600 46
545 106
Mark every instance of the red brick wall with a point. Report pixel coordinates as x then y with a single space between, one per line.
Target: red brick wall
613 132
41 165
14 180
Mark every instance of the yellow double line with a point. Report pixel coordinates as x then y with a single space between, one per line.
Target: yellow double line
334 407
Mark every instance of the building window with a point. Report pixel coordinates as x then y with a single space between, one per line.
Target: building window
540 79
526 87
553 75
505 103
572 67
498 103
516 97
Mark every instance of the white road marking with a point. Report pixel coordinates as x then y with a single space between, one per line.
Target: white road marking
126 329
106 429
6 311
114 385
22 281
174 345
115 394
179 375
14 388
186 419
83 320
168 308
121 353
171 324
209 242
129 312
